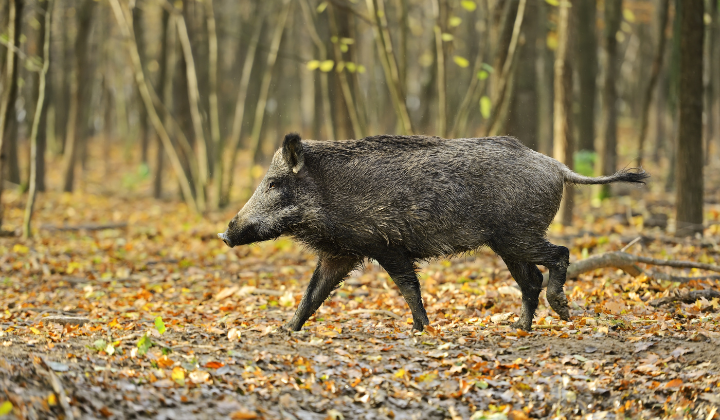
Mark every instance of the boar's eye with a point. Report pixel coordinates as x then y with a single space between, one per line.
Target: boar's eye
271 185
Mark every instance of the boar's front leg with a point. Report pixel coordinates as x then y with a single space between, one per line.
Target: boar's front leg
402 271
330 271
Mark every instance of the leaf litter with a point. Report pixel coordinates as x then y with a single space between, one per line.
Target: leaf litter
160 319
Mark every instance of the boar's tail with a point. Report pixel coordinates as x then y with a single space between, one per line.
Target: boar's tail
637 175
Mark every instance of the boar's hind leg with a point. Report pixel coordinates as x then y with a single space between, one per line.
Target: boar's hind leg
529 278
330 271
540 251
402 271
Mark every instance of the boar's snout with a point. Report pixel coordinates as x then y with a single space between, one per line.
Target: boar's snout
226 236
225 239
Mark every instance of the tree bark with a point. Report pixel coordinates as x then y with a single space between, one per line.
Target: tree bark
78 85
40 109
607 159
689 195
587 72
564 145
10 84
663 9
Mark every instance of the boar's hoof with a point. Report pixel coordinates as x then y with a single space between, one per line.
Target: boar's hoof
523 324
559 304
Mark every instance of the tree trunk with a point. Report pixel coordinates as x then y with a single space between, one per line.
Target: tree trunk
120 16
709 82
523 115
167 65
562 121
254 146
139 32
217 140
339 27
587 72
77 86
7 108
195 112
545 66
40 108
39 162
689 196
387 58
607 162
504 82
663 12
234 143
441 121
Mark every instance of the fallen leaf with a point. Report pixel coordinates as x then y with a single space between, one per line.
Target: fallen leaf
675 383
199 376
243 415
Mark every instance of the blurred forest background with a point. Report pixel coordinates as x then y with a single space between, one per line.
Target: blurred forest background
195 95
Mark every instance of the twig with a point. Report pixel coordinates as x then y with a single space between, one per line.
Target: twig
57 387
267 292
549 327
633 242
375 311
121 225
689 297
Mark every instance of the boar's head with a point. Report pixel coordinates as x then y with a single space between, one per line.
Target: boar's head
273 208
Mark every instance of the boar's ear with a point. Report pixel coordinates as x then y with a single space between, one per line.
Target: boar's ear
292 151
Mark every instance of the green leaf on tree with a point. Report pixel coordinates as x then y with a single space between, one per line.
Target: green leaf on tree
454 21
461 61
447 37
482 75
485 107
321 7
468 5
327 65
312 64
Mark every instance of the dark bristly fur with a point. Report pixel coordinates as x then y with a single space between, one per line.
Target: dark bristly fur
400 199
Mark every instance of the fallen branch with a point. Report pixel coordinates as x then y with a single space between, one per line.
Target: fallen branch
627 263
375 311
688 297
66 320
85 227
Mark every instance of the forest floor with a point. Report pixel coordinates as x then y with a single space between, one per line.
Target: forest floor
153 317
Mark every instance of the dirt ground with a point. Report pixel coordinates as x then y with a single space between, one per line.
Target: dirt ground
125 307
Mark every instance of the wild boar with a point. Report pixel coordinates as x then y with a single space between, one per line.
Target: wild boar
402 199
